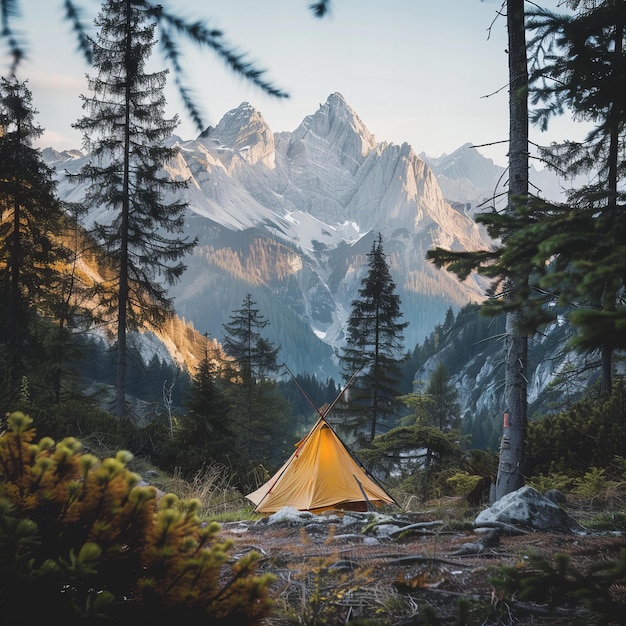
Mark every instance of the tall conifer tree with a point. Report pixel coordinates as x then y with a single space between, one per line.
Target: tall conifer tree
512 449
124 131
256 357
580 65
374 344
259 410
32 220
443 410
205 434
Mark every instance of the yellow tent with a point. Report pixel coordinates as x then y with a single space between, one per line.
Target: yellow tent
320 474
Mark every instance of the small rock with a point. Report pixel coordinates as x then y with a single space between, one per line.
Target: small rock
291 514
473 547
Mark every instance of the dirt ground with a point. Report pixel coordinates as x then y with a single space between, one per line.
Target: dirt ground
335 569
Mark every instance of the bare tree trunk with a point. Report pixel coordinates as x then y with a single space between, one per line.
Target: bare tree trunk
510 475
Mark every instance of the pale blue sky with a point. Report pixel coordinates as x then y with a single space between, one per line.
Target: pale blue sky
414 71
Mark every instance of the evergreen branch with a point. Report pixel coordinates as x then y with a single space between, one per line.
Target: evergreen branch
195 31
493 198
73 14
499 13
173 54
201 35
490 143
460 263
320 8
497 91
9 10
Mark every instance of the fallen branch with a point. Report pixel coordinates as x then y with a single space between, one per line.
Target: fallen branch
419 526
508 528
410 560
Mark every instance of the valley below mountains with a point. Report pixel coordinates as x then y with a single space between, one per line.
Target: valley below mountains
290 216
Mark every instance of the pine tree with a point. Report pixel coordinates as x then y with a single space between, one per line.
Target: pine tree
257 406
580 64
33 219
124 132
255 356
512 449
372 349
205 432
443 411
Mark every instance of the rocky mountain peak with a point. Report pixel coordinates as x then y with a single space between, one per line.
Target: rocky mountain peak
466 176
338 129
466 162
242 134
55 158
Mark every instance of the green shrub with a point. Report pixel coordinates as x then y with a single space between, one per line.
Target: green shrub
607 521
591 433
553 480
592 483
463 483
81 541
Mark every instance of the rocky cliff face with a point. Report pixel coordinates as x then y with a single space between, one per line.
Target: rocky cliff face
289 218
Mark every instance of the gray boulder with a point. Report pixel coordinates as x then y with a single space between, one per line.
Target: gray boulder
526 508
556 496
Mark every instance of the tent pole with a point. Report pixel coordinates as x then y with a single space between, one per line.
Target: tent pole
368 504
302 390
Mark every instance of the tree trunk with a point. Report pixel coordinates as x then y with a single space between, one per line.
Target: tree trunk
15 303
610 292
123 292
510 475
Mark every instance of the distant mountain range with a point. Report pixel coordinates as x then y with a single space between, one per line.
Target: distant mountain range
465 176
289 218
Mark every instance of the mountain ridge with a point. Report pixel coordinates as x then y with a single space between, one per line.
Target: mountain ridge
290 217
